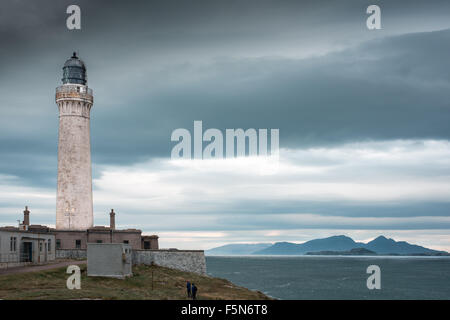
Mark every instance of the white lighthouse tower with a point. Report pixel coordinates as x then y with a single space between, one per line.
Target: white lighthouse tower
74 192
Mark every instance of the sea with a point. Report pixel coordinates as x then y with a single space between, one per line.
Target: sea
336 277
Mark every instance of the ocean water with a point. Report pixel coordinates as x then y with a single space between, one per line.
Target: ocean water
333 277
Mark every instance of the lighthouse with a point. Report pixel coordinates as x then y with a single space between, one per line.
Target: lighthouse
74 210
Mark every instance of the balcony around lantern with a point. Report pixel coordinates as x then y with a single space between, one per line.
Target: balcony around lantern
74 91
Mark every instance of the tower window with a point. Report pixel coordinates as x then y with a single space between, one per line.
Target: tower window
78 244
58 243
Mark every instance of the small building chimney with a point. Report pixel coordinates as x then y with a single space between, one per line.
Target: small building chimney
26 217
112 219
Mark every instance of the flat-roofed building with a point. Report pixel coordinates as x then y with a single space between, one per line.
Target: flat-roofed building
150 242
78 239
26 244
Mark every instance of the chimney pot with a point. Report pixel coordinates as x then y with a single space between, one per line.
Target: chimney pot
26 216
112 219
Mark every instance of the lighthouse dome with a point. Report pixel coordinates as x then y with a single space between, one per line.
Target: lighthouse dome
74 71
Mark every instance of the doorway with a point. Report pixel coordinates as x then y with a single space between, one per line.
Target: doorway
27 252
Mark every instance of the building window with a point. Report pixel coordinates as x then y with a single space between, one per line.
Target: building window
147 245
49 247
58 244
99 241
13 244
40 246
125 241
78 244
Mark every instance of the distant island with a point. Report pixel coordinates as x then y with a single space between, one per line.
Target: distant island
335 245
353 252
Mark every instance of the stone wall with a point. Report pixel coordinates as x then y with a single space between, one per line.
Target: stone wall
71 254
184 260
6 265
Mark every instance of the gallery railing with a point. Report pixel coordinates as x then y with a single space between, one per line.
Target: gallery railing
73 88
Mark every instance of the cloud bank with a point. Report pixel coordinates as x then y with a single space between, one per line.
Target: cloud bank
363 116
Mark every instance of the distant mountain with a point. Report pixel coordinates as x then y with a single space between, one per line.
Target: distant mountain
237 249
383 245
380 245
341 245
335 243
353 252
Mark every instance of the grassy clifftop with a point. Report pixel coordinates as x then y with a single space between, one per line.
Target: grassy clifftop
167 284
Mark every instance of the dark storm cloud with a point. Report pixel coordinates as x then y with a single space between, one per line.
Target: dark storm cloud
388 89
254 209
343 209
157 66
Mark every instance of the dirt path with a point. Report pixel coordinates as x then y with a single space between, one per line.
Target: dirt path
56 264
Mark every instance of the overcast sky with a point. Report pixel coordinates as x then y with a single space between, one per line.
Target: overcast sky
363 116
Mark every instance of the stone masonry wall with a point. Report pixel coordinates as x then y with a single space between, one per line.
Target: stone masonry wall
184 260
71 254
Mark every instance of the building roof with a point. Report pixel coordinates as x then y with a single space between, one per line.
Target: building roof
153 236
103 228
9 228
29 231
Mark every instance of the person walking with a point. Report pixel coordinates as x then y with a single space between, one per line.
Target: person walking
194 292
188 288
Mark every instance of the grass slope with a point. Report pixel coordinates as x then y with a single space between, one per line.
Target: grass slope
168 284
